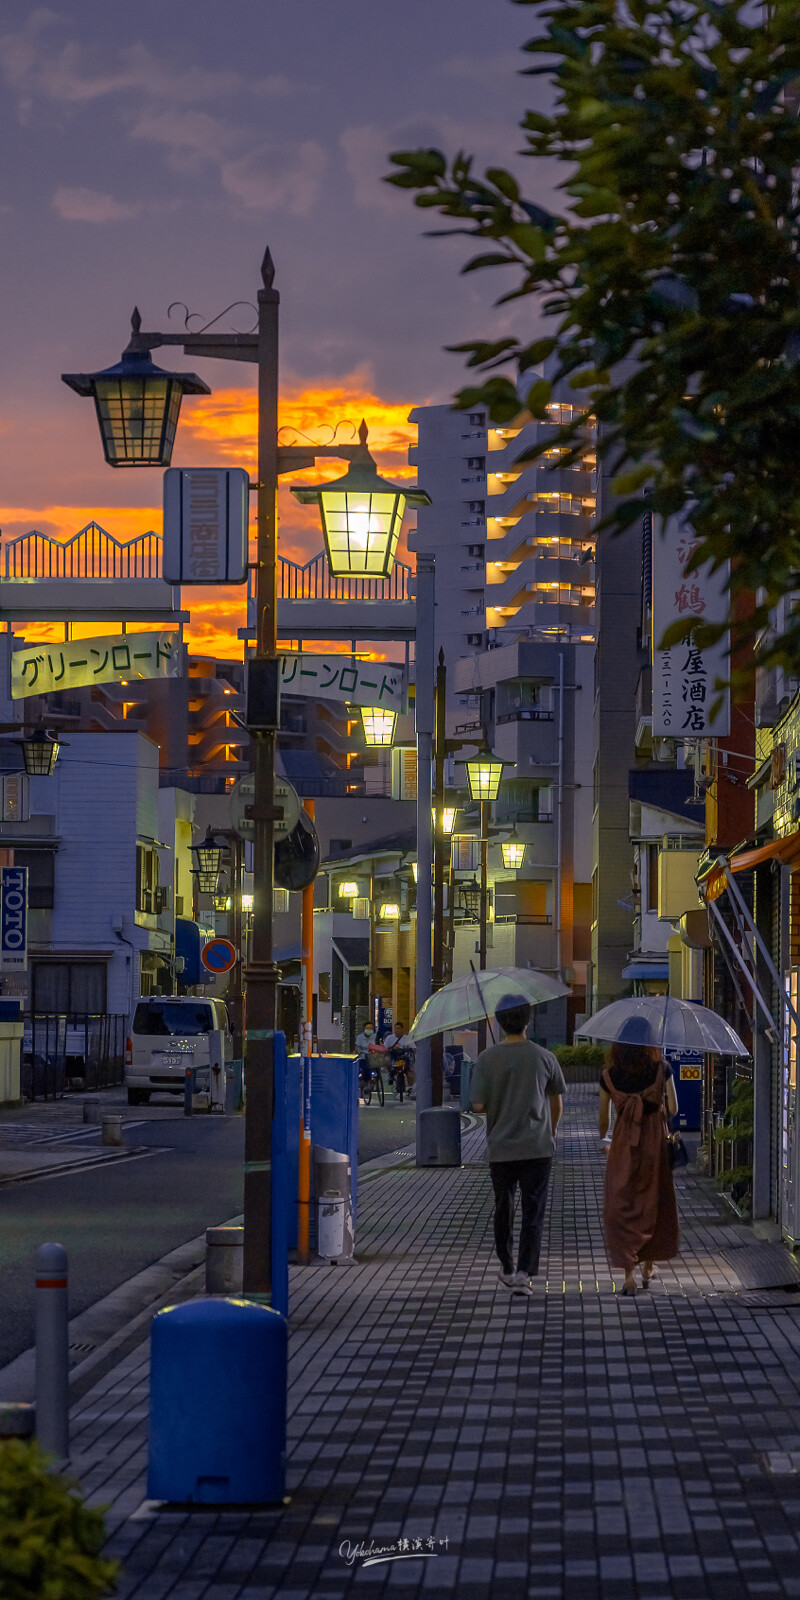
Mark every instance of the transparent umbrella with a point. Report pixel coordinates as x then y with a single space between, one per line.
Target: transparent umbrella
659 1020
474 997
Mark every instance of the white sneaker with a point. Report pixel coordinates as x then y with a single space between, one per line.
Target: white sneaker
522 1284
508 1279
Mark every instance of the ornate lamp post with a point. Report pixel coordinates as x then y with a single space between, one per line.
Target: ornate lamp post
378 725
137 409
362 514
484 772
39 753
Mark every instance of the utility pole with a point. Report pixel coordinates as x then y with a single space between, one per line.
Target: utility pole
306 1050
437 1043
424 712
485 814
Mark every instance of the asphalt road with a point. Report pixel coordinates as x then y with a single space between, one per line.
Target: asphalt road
118 1219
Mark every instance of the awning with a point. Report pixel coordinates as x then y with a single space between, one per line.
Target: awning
658 970
786 850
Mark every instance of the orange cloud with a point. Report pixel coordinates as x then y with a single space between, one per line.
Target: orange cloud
221 430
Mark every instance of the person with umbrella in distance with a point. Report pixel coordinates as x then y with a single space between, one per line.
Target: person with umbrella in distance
640 1216
520 1087
639 1210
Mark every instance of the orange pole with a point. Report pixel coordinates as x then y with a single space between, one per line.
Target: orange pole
304 1164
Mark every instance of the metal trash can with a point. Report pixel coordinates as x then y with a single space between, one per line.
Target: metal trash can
218 1404
233 1086
331 1213
224 1260
333 1190
440 1136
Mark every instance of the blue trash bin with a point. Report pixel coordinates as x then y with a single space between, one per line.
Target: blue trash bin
218 1404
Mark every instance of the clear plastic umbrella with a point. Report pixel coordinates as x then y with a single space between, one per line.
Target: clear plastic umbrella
473 998
659 1020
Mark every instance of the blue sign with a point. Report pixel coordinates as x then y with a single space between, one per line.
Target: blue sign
14 919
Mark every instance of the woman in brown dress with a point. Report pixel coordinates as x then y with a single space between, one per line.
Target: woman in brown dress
639 1213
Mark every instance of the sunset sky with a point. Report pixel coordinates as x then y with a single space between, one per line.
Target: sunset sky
151 152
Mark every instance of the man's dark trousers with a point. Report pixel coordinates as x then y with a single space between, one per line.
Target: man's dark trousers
533 1177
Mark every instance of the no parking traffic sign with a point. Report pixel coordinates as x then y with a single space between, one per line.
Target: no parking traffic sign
218 955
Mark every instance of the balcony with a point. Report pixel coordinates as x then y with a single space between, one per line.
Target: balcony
526 714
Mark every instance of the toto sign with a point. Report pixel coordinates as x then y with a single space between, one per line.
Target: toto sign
14 919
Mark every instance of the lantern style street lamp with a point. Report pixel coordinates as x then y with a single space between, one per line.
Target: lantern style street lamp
208 857
389 911
40 753
513 850
483 776
348 890
448 818
378 724
362 514
137 404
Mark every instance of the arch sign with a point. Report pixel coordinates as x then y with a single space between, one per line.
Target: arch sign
218 955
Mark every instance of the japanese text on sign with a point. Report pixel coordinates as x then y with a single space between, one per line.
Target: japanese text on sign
364 683
684 677
42 668
13 919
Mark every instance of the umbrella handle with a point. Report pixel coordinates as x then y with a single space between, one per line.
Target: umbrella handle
482 1001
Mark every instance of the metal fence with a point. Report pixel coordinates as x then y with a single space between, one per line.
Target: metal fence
58 1048
315 582
90 553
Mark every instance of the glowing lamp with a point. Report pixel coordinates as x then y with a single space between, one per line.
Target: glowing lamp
137 404
247 902
348 890
483 776
389 911
415 871
362 514
378 724
40 753
448 816
513 852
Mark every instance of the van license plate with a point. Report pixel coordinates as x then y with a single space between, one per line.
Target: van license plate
176 1061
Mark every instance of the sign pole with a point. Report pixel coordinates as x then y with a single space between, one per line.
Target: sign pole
304 1166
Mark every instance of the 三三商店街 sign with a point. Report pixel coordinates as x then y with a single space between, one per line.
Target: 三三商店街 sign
686 679
41 668
363 683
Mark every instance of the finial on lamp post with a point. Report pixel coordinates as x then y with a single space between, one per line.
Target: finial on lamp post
267 269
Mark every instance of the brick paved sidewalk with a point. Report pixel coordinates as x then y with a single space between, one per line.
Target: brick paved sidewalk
575 1445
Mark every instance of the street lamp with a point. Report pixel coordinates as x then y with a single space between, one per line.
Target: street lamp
348 890
362 514
137 408
40 753
484 772
448 818
208 856
378 724
513 850
137 404
389 911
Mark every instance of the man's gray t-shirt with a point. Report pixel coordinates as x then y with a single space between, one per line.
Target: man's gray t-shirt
514 1083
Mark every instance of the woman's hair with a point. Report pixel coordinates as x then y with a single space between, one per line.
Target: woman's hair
633 1057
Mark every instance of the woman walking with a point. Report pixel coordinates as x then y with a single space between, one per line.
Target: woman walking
639 1212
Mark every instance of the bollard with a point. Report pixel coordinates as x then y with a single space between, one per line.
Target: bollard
111 1131
224 1260
91 1108
188 1090
52 1350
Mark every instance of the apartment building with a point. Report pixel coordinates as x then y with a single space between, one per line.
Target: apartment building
513 539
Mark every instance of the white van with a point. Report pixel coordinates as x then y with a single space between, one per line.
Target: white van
170 1033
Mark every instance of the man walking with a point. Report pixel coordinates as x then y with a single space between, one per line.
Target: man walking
519 1086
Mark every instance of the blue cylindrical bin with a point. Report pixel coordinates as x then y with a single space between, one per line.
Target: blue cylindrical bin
218 1404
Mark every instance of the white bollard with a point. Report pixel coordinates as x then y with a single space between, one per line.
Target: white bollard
52 1350
112 1131
224 1260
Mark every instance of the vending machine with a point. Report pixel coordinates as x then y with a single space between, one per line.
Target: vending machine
687 1068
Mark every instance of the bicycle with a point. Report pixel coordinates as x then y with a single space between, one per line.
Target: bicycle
372 1078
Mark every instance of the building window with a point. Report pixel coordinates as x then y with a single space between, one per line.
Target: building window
652 877
324 987
476 463
69 987
146 878
41 877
